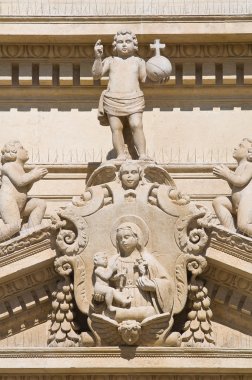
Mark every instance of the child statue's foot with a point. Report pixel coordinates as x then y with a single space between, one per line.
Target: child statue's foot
111 308
144 157
121 157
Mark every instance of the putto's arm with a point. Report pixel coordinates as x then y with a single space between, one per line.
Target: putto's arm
99 67
142 71
21 180
104 274
238 180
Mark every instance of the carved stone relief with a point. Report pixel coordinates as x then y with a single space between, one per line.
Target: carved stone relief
131 250
128 277
19 213
121 105
235 212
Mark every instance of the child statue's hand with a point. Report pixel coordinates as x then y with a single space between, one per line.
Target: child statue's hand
98 49
39 172
164 80
221 171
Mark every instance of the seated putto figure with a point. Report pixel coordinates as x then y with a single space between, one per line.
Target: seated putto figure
14 203
145 282
103 274
239 205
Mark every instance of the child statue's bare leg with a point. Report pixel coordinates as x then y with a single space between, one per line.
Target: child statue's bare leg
136 126
244 218
224 210
119 298
11 217
116 126
35 210
109 295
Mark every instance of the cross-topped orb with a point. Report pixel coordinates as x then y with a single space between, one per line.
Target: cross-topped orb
157 46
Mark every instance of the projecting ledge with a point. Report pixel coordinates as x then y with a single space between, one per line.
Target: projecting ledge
85 29
114 360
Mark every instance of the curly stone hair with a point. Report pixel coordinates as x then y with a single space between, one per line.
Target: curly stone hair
97 255
9 151
122 33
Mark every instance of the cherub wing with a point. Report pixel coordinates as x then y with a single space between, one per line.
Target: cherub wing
105 330
103 174
153 328
153 173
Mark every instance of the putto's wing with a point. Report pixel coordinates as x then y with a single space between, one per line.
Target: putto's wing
103 174
154 327
105 330
154 173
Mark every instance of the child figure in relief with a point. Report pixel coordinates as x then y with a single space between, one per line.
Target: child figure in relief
103 274
123 101
240 181
14 202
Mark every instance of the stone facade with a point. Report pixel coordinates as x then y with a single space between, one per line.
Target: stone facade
53 317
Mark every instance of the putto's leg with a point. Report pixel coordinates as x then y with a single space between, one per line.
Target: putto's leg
136 126
224 210
122 300
116 126
35 210
244 218
11 217
109 299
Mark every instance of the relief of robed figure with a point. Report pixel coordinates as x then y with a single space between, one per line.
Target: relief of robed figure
130 243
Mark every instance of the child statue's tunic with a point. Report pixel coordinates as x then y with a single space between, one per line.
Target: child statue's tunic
124 100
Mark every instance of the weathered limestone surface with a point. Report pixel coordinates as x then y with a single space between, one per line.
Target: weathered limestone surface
124 7
57 285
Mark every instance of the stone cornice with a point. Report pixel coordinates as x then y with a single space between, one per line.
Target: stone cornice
164 360
233 245
22 247
173 29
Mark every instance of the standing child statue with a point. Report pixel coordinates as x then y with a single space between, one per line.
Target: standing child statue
123 101
239 205
14 202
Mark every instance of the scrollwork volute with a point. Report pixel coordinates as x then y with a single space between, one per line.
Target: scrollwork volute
192 231
72 231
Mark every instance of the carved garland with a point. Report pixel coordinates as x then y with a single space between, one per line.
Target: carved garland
192 238
198 328
71 239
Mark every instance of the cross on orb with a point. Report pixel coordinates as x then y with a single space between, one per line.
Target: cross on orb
157 46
